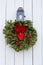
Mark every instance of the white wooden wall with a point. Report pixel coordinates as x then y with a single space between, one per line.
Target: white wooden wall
33 11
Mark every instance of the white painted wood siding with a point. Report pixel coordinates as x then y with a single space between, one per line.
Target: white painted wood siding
33 11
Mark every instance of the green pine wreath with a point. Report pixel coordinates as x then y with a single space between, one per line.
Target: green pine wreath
20 35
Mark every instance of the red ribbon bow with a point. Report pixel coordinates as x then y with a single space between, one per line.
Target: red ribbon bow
19 28
20 31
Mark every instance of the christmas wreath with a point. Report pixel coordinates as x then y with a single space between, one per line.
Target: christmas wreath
20 35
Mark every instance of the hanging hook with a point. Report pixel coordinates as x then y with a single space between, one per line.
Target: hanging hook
20 14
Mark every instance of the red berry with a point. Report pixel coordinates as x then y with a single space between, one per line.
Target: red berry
18 43
28 36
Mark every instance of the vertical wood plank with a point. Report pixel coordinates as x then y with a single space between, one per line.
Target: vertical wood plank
10 15
37 25
2 40
42 28
18 55
28 14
